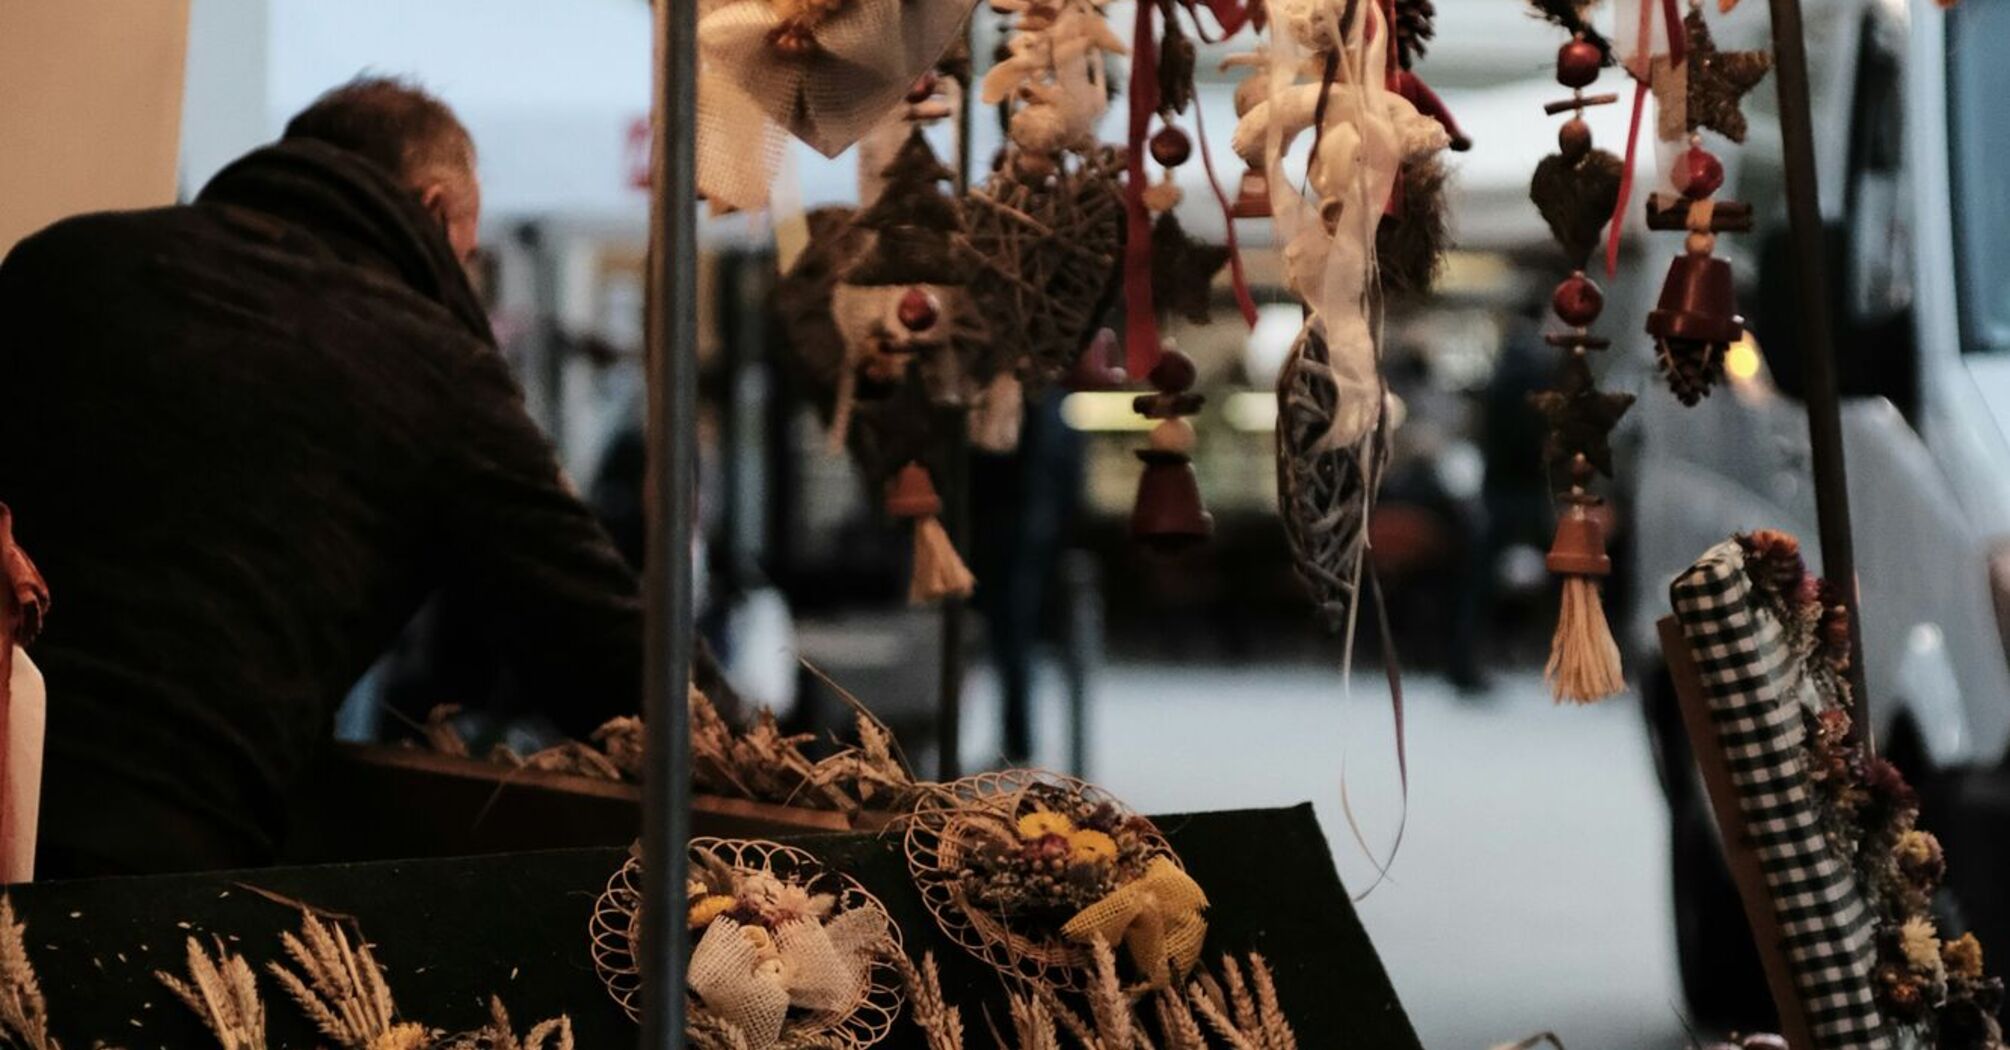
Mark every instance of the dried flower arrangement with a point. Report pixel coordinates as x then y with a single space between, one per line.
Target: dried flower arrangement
24 1014
1027 869
1241 1012
1935 986
786 953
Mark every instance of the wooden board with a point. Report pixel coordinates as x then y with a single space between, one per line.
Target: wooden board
452 932
1738 852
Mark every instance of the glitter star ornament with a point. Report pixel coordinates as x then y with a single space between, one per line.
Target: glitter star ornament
1708 88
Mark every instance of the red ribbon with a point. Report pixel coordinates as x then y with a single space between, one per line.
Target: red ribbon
1141 327
1243 301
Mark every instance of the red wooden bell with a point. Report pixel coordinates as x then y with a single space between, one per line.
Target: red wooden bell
1697 302
1168 515
911 494
1579 548
1252 199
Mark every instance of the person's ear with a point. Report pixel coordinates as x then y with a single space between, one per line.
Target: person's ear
434 199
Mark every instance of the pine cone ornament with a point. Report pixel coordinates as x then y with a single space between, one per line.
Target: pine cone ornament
1773 559
1415 25
1691 368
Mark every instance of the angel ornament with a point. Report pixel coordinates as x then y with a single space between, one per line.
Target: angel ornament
1332 79
1054 67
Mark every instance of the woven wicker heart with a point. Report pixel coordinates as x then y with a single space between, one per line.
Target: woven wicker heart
1050 253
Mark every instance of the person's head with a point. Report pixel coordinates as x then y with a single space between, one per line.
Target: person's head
413 136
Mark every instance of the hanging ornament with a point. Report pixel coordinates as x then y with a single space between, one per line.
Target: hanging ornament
902 306
1047 223
1696 319
825 71
1168 515
938 571
1335 80
1576 189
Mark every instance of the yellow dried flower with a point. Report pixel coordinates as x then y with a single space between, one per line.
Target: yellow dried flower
1963 956
403 1037
1091 846
708 908
1041 823
1917 846
1921 942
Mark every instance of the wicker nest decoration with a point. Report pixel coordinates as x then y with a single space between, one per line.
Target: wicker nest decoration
865 1016
1012 863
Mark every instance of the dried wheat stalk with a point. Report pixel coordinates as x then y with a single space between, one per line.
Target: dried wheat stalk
343 990
500 1034
941 1024
24 1015
224 993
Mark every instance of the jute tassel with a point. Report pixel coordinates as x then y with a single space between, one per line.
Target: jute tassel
1583 658
938 571
841 408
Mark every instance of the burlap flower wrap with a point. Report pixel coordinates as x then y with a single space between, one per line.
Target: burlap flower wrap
823 971
863 56
1149 908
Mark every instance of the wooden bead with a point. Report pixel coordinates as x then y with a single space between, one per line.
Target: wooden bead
1573 139
1577 64
1701 243
1698 173
1173 435
923 89
1577 301
1170 147
1175 372
918 311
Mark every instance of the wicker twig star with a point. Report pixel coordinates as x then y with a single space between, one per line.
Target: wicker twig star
1183 270
1707 90
1581 418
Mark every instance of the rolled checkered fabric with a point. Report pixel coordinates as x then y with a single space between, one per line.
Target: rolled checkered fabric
1754 684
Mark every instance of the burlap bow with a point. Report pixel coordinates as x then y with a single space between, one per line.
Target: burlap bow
1157 918
751 977
860 57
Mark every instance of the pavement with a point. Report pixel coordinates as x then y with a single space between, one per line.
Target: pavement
1530 892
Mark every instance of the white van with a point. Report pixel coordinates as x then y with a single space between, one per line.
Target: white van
1913 140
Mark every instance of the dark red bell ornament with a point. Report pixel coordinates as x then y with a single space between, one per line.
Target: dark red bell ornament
1698 303
1252 198
1168 515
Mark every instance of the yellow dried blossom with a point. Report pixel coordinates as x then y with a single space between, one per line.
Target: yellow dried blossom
1091 846
403 1037
1041 823
1916 846
1921 942
708 908
1963 956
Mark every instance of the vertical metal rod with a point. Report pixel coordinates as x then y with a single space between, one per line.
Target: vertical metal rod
955 489
956 495
1817 346
671 495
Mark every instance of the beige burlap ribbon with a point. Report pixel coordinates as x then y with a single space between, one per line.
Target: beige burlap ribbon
867 54
1157 917
751 977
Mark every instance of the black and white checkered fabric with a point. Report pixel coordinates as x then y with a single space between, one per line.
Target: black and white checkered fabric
1752 683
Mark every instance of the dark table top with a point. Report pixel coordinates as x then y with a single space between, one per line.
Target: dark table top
453 932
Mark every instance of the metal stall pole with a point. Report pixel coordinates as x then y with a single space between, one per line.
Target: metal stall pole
670 484
955 499
1817 347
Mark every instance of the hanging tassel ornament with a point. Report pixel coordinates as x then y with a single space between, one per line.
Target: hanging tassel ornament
938 571
1583 658
1575 189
